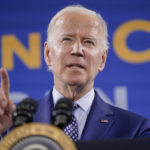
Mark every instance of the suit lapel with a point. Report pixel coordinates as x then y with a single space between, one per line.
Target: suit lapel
99 120
45 107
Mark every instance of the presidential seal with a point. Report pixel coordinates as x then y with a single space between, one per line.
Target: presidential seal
37 136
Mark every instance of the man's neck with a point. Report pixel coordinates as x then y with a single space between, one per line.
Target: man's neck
73 92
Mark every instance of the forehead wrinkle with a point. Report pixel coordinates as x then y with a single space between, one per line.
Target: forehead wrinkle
77 27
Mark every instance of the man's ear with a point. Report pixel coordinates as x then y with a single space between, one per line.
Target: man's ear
47 54
103 60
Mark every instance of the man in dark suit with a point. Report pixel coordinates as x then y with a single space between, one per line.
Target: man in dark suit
75 51
103 122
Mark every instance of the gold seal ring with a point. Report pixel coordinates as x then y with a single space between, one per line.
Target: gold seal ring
37 129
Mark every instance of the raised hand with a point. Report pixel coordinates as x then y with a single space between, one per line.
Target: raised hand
6 105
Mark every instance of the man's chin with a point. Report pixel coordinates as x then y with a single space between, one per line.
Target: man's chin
75 83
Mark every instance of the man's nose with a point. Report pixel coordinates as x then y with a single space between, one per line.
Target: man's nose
78 49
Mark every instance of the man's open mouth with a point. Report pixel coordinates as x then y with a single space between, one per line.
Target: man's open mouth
75 66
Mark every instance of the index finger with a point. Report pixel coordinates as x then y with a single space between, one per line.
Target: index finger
4 81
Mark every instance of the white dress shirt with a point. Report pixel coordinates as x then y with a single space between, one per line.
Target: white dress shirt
82 112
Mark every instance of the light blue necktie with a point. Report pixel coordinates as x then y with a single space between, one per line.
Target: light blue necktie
71 130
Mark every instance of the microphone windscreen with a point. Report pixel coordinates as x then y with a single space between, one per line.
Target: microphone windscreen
24 112
62 113
64 103
28 104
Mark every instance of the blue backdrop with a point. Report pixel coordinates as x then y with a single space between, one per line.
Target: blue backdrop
125 81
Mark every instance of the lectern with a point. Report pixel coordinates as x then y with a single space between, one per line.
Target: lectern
36 136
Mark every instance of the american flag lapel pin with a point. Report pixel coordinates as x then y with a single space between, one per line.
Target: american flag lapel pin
104 121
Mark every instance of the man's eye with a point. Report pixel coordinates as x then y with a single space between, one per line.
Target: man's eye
89 42
67 39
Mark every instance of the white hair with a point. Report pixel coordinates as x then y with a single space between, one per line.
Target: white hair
80 9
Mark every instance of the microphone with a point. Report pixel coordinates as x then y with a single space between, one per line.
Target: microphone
62 113
24 112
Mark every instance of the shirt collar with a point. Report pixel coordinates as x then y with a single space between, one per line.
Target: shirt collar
84 102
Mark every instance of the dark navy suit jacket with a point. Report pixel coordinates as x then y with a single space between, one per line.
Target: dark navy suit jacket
104 121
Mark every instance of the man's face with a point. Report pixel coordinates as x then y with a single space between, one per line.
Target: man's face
75 50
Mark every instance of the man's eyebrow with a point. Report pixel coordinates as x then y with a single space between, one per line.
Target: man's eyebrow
85 37
90 38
